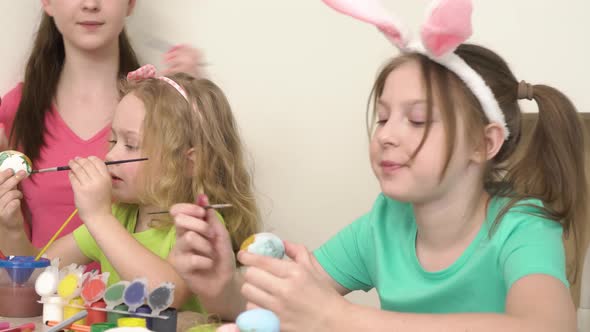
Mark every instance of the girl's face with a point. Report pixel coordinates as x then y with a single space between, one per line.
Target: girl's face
401 118
125 143
89 24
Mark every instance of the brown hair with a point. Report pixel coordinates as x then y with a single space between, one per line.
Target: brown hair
40 84
549 167
206 124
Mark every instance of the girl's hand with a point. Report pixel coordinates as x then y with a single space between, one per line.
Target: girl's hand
203 253
11 216
184 59
293 290
91 183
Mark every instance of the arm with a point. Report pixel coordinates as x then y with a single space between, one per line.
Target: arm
130 258
536 303
68 251
204 258
91 184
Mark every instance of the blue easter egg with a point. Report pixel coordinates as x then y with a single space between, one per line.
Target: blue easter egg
265 244
258 320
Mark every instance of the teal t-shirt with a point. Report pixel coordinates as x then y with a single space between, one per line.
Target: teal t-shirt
158 240
378 251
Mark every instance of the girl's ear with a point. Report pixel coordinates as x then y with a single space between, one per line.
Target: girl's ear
190 160
47 7
130 8
492 142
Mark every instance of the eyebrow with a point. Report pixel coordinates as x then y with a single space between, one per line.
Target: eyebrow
412 102
125 132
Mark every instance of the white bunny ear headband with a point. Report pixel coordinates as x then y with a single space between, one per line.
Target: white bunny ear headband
448 24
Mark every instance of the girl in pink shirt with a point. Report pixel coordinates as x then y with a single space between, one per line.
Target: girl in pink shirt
64 107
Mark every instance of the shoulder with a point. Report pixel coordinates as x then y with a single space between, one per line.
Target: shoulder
10 102
523 215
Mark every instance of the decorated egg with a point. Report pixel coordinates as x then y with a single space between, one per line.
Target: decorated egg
16 161
258 320
266 244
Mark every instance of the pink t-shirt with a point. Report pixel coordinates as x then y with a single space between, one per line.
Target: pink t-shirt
49 196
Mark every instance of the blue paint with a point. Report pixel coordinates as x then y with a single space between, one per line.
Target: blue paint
135 294
144 309
20 268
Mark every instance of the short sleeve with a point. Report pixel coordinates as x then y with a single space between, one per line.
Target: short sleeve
347 255
86 243
85 240
9 106
534 246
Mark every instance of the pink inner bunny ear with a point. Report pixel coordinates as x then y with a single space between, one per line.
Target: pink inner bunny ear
370 11
448 25
145 71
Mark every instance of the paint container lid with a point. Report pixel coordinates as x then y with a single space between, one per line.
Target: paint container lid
131 322
101 327
20 268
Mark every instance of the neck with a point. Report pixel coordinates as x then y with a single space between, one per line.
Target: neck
144 220
456 217
90 72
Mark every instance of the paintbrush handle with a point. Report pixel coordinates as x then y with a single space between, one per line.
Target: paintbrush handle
56 235
206 207
66 168
69 321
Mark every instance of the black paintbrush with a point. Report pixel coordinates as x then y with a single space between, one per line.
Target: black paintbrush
212 206
65 168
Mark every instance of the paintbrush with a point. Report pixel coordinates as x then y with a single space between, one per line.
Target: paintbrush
65 168
212 206
56 235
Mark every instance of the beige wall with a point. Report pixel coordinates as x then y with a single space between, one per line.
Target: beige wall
298 76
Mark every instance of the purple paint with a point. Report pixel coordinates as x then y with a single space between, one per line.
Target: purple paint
135 294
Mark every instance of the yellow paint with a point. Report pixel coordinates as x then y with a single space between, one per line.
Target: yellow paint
248 242
68 286
131 322
70 311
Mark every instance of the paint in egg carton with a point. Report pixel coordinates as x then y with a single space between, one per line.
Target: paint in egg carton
71 282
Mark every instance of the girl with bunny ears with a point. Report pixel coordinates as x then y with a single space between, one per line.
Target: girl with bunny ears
466 234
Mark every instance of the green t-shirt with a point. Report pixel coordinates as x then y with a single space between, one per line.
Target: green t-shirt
378 250
158 240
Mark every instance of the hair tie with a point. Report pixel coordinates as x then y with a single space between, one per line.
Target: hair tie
525 91
149 71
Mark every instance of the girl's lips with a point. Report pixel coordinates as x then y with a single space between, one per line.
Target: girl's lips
390 166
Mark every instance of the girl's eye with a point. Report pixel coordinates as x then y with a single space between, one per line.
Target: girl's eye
112 142
417 123
131 147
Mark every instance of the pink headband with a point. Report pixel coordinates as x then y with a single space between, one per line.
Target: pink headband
149 71
448 24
